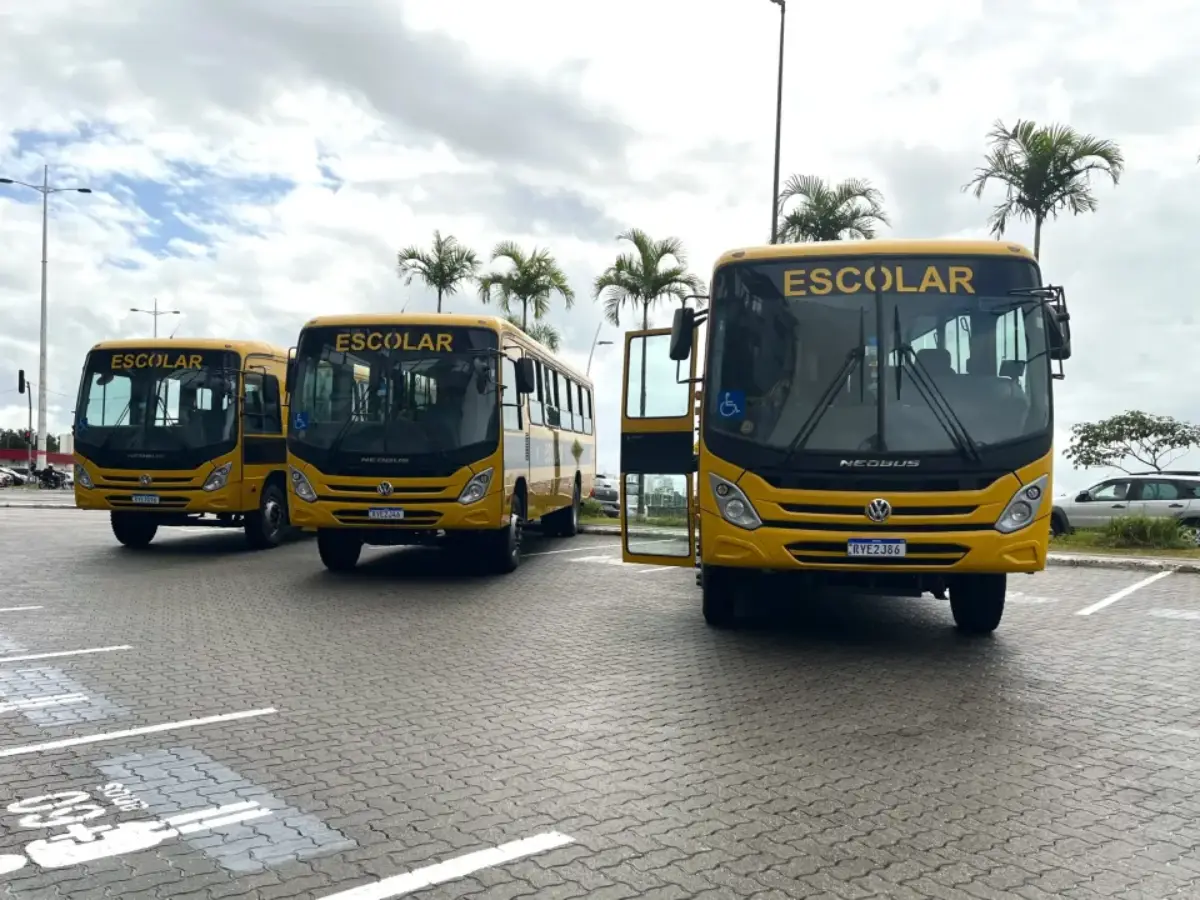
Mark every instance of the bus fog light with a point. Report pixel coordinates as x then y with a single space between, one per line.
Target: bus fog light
735 506
301 487
476 488
218 477
1024 506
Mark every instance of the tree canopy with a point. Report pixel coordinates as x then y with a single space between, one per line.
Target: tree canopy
1151 440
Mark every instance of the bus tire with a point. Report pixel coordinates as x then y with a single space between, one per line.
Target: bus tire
133 529
719 590
565 522
977 603
505 543
267 526
339 550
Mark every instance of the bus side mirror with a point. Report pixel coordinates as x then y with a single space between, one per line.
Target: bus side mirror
682 331
270 391
525 383
291 368
1059 336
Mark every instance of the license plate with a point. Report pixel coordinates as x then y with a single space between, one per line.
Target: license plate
876 547
386 512
145 499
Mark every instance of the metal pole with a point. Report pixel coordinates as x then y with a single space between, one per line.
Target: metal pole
778 125
156 318
41 421
29 443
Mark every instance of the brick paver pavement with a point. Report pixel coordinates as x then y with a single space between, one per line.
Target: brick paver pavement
842 748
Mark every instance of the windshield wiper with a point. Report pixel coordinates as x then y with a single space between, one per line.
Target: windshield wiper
853 360
933 397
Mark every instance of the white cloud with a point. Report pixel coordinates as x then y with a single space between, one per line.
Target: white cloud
559 124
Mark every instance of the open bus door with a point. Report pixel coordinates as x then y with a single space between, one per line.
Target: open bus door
657 452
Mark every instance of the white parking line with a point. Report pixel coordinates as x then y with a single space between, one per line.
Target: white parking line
42 702
453 869
27 656
19 608
133 732
1123 593
1191 614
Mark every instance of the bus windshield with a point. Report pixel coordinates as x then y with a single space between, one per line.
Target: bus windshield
877 357
386 394
172 408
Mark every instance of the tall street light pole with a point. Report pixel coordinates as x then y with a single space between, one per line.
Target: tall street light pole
45 190
595 343
156 312
782 4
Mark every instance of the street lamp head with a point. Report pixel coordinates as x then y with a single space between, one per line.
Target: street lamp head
603 343
6 181
84 190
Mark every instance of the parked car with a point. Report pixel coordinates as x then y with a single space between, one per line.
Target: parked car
605 492
1172 494
10 477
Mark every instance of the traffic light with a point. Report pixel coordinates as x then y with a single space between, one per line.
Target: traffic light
21 381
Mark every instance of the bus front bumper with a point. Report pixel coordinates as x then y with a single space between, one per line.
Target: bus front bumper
398 523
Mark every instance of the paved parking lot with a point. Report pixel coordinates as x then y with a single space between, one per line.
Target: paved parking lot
200 721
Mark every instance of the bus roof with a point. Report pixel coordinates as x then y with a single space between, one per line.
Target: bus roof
449 320
891 247
240 346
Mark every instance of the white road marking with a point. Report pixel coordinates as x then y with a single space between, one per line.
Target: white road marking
41 702
18 608
453 869
133 732
1175 613
188 818
58 653
1123 593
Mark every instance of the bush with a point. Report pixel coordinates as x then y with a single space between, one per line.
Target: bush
1143 532
591 508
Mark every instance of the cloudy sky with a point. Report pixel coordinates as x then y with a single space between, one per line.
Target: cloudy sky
258 162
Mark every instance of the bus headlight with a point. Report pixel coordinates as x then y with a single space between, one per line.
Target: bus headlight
476 488
1024 506
300 485
217 477
82 478
735 507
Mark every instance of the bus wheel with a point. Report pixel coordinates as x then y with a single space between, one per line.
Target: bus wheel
565 522
339 550
720 590
132 529
266 526
977 602
506 543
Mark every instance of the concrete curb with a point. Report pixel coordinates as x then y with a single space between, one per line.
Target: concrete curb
1080 560
38 506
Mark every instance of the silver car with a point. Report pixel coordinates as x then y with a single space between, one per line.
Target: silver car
1152 494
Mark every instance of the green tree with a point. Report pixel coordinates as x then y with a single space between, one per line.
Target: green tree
656 269
11 439
849 209
1044 169
1145 438
443 267
542 332
530 279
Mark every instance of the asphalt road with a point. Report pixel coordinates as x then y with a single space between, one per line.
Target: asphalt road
248 725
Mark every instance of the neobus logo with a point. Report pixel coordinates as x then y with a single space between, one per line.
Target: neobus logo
879 463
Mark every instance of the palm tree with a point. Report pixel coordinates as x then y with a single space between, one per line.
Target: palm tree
1044 169
446 265
542 332
532 279
849 209
655 270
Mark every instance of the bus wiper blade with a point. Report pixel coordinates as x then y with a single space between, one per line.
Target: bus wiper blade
944 413
336 444
853 360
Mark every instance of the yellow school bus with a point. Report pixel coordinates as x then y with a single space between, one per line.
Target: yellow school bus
877 416
427 428
174 431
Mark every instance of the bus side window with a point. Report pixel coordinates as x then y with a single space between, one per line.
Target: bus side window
536 415
260 417
569 386
510 400
553 416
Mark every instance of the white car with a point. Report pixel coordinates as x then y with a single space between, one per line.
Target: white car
1153 494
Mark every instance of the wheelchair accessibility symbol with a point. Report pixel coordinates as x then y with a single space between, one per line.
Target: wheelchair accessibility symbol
732 405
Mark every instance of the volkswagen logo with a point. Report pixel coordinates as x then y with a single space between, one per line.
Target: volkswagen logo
879 510
385 489
144 480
